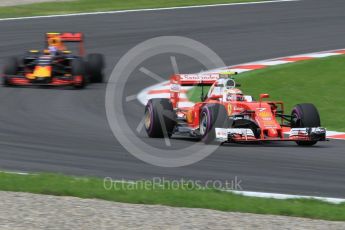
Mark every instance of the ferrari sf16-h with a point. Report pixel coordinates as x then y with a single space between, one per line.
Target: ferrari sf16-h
225 114
55 65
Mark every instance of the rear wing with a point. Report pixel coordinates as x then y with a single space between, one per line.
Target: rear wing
202 79
193 79
68 37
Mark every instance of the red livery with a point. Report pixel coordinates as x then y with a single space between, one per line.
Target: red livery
225 114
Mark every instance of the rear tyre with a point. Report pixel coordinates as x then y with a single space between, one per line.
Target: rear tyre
305 116
160 118
212 116
11 68
79 73
95 65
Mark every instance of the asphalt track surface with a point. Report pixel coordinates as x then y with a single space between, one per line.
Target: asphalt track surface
63 130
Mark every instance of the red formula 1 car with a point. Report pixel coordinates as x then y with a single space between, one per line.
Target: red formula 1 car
55 65
227 115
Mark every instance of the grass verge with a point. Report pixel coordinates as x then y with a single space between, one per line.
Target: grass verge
318 81
81 6
185 196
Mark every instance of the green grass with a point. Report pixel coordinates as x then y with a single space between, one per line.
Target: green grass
318 81
80 6
60 185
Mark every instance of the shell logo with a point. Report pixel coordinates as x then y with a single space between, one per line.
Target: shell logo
265 114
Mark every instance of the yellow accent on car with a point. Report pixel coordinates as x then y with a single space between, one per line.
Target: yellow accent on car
265 114
227 74
42 71
30 76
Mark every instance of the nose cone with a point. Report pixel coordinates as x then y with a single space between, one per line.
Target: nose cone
272 133
42 71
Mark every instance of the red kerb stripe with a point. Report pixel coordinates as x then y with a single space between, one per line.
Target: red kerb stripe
296 58
249 67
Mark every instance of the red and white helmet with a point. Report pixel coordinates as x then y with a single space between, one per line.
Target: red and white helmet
234 95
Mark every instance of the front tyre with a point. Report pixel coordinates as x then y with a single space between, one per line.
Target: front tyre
79 73
11 67
305 116
160 118
95 65
212 116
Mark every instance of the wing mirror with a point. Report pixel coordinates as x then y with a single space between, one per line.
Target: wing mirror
262 96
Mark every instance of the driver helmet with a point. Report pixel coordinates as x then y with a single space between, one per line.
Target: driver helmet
234 95
55 42
52 50
230 84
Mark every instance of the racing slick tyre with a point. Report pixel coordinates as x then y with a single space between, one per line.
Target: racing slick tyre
79 73
305 116
160 118
95 65
11 68
212 116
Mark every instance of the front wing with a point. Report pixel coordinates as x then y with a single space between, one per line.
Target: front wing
247 135
54 81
